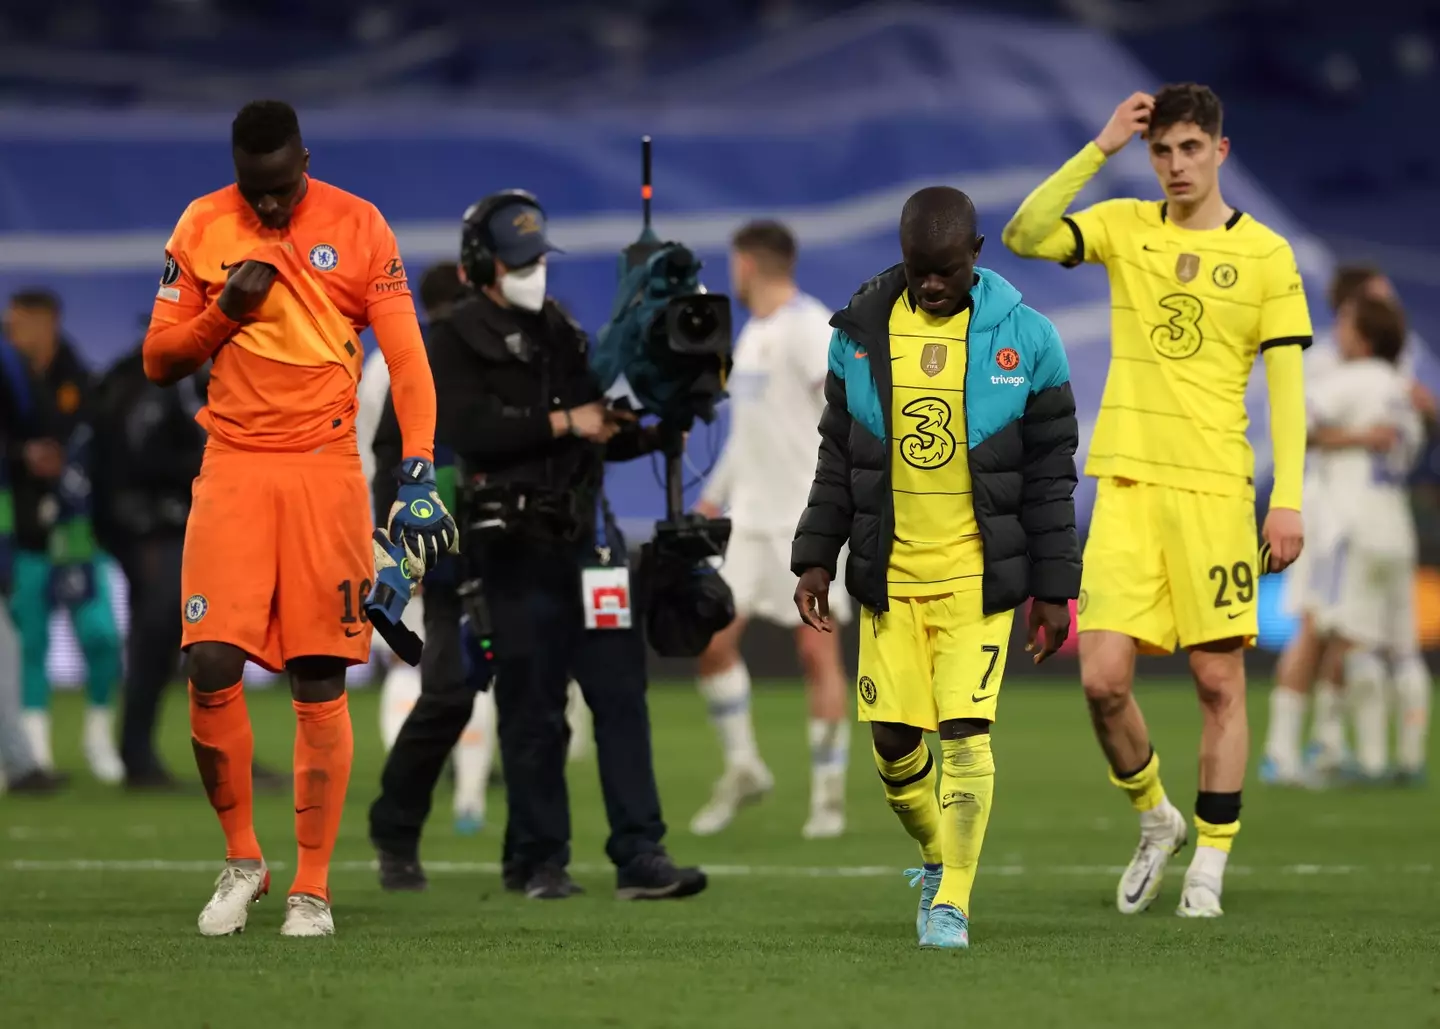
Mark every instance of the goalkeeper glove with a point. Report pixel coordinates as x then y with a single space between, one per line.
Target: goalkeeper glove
386 603
419 523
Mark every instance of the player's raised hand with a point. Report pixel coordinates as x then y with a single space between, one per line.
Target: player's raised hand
1132 116
812 597
1054 621
1284 534
246 288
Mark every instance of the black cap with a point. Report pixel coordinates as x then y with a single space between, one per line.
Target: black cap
517 234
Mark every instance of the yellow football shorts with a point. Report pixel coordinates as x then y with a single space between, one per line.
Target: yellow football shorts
1167 566
930 659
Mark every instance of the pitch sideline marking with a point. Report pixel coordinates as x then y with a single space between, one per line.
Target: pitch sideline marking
739 871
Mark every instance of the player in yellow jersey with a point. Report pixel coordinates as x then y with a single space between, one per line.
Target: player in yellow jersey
947 460
1198 289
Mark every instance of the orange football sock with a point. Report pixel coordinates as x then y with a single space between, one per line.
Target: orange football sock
324 749
224 752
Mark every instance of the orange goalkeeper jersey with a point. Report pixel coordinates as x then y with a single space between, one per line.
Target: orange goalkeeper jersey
284 378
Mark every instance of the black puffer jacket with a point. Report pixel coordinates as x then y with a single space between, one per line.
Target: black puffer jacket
1021 442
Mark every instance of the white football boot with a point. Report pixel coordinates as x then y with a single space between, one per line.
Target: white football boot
1162 833
241 883
307 916
1200 898
827 805
740 785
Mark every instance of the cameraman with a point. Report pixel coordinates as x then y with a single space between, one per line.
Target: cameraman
525 416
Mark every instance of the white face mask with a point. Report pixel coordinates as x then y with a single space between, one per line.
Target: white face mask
525 288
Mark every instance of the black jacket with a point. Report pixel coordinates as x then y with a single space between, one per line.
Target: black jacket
499 372
147 453
1020 417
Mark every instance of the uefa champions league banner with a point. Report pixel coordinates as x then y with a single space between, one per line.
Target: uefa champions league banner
829 130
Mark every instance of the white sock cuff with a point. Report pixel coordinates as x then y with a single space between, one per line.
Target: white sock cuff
829 743
727 692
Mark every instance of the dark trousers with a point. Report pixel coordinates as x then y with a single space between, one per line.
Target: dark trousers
542 643
152 568
434 725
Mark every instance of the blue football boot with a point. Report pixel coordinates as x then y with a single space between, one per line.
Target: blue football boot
946 929
930 876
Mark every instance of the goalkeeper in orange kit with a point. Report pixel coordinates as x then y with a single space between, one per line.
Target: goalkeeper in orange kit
274 277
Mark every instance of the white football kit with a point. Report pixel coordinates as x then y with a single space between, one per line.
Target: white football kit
764 474
1359 579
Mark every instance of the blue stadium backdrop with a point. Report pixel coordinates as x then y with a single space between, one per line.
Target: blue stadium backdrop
829 134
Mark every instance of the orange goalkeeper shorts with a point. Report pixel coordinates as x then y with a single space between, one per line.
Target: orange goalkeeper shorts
278 559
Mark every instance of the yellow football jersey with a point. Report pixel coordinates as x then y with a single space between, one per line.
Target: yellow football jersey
937 547
1190 312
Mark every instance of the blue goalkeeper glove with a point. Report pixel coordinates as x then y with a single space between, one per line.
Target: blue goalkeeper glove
385 605
419 522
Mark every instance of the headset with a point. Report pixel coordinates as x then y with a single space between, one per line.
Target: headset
477 248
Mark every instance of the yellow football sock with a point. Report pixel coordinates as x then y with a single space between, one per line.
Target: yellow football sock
1218 836
967 790
1143 788
910 791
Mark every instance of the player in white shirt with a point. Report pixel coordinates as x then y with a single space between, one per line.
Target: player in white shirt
1309 586
763 480
474 753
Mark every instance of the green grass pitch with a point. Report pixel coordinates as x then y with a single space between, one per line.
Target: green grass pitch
1333 902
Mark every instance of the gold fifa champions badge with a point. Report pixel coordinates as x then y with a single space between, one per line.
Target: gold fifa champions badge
932 359
1187 266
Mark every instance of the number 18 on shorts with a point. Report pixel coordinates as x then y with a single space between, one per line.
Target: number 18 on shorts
932 659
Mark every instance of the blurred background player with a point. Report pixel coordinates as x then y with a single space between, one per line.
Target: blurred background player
56 562
378 433
148 451
1307 667
1368 435
969 514
274 277
1198 289
763 478
20 771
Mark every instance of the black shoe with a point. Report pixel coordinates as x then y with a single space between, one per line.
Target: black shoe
38 783
654 876
268 780
550 882
514 878
153 779
400 874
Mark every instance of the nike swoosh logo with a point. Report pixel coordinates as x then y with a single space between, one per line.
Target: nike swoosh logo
353 633
861 353
1143 246
1237 614
226 267
979 698
1131 898
302 810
